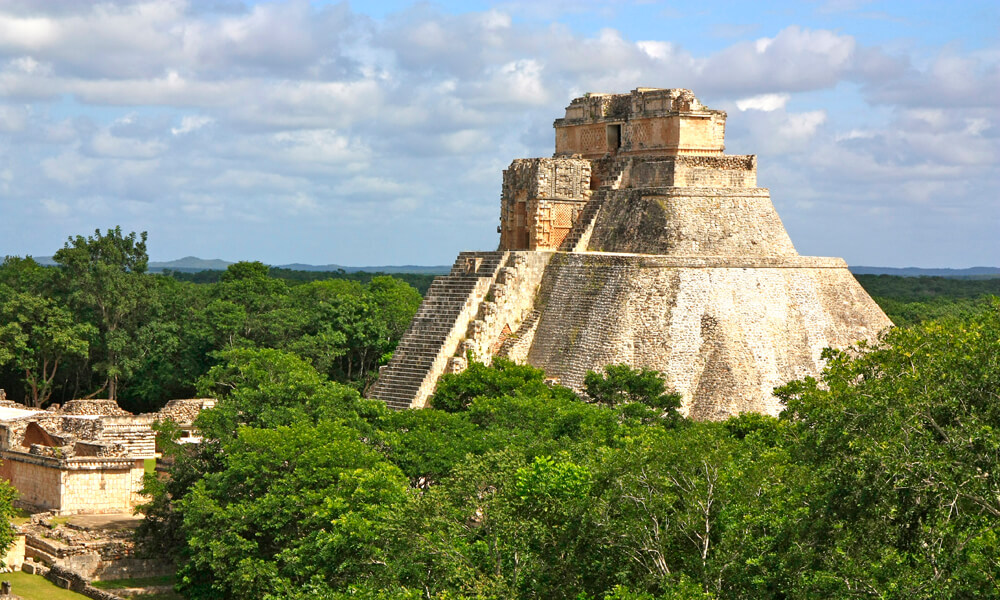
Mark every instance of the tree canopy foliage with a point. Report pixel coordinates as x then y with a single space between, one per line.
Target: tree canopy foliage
98 324
420 281
880 479
912 300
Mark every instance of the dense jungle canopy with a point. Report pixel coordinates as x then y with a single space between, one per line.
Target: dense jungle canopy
879 480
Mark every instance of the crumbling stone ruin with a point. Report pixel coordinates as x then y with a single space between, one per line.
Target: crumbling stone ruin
639 242
86 457
84 461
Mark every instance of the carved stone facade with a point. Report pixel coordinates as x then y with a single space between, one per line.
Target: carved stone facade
542 199
86 457
647 121
673 260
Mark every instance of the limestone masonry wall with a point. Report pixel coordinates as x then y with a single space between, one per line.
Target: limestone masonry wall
38 482
101 489
723 336
93 406
646 121
690 222
74 485
185 410
510 302
693 171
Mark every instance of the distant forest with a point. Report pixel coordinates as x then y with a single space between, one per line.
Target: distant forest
912 300
421 281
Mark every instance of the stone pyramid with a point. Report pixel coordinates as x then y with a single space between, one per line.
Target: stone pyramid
639 242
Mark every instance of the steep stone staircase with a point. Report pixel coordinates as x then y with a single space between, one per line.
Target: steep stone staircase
437 330
585 221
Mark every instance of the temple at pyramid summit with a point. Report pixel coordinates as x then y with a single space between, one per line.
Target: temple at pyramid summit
639 242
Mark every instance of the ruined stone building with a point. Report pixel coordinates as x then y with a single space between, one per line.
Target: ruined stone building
86 457
638 242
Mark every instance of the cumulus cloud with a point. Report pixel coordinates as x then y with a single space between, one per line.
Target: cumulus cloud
315 116
764 102
191 123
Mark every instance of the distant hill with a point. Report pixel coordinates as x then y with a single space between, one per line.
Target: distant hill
971 272
190 264
193 264
432 270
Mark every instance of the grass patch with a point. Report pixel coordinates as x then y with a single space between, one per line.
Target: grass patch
20 517
150 465
36 587
118 584
57 521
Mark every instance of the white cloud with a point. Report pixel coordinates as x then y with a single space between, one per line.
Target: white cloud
106 144
191 123
854 134
656 50
55 208
69 168
292 108
27 64
13 118
802 125
28 33
764 102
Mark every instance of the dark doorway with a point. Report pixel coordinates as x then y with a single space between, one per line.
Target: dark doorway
614 137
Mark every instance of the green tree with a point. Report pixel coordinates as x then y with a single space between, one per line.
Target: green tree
294 505
104 275
903 438
37 336
7 512
456 392
623 385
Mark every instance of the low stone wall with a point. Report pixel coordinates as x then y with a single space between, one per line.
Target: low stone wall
93 406
184 411
71 580
38 480
133 568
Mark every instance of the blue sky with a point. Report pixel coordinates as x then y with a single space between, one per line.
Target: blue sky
376 133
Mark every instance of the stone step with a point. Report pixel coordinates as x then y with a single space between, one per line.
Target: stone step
421 347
